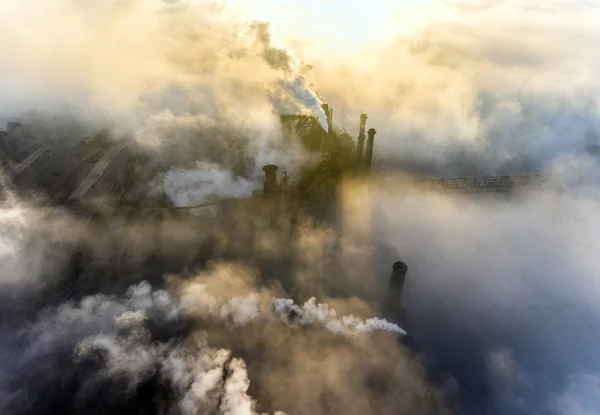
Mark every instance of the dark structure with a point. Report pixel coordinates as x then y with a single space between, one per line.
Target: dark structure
369 153
336 146
361 139
270 186
397 278
94 172
495 184
394 306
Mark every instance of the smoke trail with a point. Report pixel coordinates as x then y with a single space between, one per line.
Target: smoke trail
116 342
209 91
207 181
279 58
311 313
309 98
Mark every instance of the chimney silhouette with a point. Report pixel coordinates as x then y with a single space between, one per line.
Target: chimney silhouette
369 154
397 278
270 185
361 140
394 305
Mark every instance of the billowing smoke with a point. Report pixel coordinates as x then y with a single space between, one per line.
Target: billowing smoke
501 89
201 86
189 187
309 98
502 291
511 280
192 347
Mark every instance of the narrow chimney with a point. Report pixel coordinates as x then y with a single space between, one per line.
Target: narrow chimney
323 133
361 140
327 113
369 153
270 185
330 120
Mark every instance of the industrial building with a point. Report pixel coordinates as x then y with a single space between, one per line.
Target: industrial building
99 178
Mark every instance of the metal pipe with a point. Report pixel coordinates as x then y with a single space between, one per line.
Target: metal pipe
369 153
361 140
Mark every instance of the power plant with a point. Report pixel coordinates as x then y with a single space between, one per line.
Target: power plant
100 178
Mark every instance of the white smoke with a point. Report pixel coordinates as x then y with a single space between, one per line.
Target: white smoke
206 379
312 312
309 98
253 307
206 182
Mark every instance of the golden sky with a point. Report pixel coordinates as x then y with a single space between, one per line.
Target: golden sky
341 26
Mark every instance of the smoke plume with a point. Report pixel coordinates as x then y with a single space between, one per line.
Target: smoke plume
502 290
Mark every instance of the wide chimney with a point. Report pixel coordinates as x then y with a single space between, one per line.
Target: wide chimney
397 278
394 307
361 140
369 153
270 185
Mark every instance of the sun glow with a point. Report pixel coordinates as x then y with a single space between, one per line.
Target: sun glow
338 26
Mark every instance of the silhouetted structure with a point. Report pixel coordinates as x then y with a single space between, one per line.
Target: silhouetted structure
361 139
369 153
270 186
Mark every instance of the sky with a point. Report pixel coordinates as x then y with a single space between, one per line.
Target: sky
502 77
337 26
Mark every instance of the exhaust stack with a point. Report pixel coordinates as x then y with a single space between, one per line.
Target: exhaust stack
361 140
270 185
394 306
329 114
369 154
397 278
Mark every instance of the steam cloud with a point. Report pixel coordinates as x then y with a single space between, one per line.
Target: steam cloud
503 291
175 90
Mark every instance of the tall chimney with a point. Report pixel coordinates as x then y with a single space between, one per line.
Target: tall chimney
369 153
325 108
323 133
394 306
270 185
397 278
361 140
330 119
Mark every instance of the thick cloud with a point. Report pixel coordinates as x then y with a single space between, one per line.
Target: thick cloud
502 291
186 349
189 80
479 93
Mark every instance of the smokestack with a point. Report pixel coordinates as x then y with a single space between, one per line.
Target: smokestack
369 154
270 185
397 278
325 108
324 133
394 306
361 140
330 119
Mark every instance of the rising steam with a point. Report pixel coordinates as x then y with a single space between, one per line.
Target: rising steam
502 291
